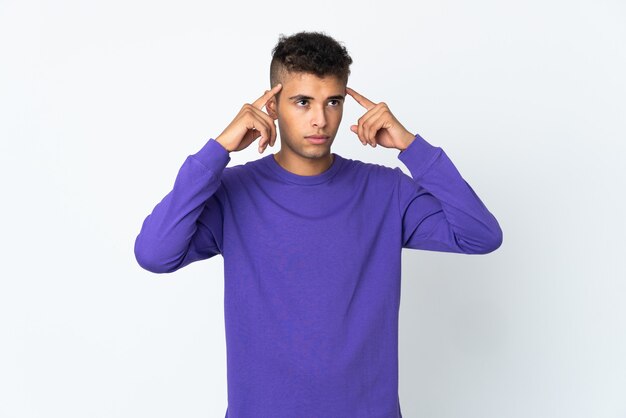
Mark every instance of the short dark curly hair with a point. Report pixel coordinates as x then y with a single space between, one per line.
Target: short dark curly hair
309 52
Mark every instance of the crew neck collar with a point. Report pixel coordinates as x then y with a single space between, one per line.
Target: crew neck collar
306 180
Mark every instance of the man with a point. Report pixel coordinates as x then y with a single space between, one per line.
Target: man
311 240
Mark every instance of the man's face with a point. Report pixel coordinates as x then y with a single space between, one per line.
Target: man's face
308 105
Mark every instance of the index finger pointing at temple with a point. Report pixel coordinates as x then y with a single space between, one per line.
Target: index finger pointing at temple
260 102
362 100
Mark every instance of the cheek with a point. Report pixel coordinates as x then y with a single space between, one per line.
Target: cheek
337 114
294 118
289 121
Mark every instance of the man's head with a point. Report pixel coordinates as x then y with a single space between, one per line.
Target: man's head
313 69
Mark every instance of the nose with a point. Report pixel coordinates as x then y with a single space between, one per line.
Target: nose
318 117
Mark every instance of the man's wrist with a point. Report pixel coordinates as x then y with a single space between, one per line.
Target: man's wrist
222 144
408 141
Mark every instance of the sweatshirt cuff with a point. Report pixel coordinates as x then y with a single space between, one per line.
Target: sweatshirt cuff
419 155
213 155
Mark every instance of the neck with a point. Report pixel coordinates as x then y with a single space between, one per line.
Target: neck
302 166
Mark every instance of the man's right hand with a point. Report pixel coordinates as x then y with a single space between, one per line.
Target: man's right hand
250 123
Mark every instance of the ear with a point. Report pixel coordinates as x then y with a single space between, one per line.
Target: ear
271 108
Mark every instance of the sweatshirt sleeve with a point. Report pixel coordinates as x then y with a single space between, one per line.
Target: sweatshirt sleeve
187 224
440 211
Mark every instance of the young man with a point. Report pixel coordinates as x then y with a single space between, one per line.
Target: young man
311 240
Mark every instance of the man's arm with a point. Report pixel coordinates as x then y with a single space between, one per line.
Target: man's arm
440 211
186 225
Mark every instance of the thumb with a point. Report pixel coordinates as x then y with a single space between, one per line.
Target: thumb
354 128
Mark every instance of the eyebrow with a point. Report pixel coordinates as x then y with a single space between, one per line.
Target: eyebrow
303 97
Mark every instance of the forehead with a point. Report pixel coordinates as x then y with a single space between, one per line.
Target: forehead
312 85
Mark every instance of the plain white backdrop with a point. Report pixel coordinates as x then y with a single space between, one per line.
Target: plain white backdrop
101 102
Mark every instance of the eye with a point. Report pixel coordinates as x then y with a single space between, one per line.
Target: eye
336 101
302 100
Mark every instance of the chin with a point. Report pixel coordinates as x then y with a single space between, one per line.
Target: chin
318 153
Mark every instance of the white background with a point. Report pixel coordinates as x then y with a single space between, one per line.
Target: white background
101 102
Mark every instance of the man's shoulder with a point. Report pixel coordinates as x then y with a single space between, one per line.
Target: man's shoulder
245 170
371 167
245 166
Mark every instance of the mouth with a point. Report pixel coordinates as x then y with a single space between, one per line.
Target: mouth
318 139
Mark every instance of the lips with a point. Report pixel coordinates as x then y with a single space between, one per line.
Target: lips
317 139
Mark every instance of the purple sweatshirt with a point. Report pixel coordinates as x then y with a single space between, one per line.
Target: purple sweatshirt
312 269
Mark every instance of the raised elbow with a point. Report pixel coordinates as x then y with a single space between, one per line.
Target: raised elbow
494 242
144 255
486 243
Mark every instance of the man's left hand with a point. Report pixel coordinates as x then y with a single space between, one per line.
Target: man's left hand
378 126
